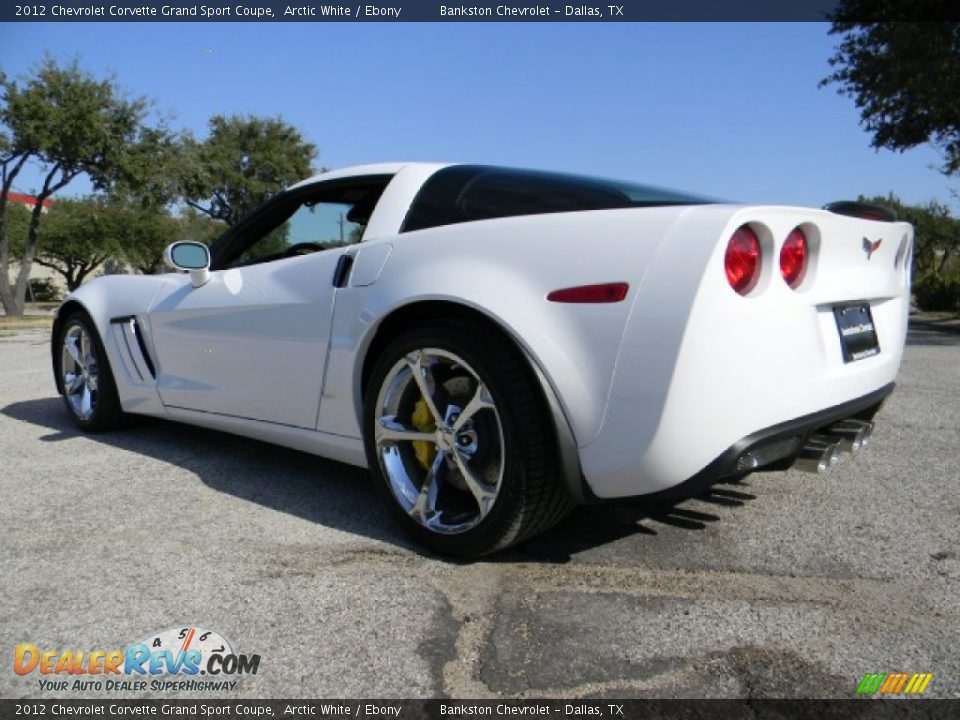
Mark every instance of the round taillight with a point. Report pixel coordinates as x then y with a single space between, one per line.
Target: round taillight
793 258
742 261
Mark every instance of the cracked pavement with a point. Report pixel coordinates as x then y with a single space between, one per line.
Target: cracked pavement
782 585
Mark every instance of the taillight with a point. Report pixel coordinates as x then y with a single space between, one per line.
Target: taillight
793 258
605 293
742 261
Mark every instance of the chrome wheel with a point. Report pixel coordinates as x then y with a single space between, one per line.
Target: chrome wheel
79 371
439 440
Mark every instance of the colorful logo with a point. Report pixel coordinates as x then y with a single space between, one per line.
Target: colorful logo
871 247
894 683
186 651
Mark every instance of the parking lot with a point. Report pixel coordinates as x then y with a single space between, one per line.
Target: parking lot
784 584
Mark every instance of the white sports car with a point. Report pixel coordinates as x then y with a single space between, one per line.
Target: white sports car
499 345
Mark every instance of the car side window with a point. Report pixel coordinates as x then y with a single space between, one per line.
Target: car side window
312 227
302 221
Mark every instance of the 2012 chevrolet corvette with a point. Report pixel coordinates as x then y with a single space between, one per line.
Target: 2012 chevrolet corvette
499 345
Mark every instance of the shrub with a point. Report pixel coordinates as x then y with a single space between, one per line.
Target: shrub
44 290
937 294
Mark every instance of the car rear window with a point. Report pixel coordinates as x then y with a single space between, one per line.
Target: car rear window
464 193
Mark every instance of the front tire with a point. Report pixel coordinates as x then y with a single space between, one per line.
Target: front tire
89 391
460 441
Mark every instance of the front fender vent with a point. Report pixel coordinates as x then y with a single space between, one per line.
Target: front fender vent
133 350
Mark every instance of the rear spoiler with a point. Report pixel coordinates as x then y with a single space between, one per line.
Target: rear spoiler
866 211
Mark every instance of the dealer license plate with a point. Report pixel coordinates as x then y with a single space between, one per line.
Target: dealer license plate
858 336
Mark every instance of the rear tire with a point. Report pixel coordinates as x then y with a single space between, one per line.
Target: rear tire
465 456
89 391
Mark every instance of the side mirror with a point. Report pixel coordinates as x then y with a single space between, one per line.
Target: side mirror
192 257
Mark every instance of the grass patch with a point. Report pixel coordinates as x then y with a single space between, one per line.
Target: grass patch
27 322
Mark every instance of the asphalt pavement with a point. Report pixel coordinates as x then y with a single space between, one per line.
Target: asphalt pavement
784 584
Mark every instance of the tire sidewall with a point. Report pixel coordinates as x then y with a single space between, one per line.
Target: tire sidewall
106 411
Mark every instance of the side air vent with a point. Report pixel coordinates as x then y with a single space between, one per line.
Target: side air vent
133 350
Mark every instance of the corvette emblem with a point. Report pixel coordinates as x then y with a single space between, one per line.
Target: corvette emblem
871 247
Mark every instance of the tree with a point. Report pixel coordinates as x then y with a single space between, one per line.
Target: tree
936 232
243 161
80 235
17 223
142 232
903 76
152 230
198 227
76 239
68 123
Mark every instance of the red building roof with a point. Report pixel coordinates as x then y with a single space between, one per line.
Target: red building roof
28 200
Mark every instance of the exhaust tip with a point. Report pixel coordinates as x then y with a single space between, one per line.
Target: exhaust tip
853 435
817 455
832 453
836 455
813 465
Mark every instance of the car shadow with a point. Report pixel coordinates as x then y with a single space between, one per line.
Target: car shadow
341 496
592 526
322 491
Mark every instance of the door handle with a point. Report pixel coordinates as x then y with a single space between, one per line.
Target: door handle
341 273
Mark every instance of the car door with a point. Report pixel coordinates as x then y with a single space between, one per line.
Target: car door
252 342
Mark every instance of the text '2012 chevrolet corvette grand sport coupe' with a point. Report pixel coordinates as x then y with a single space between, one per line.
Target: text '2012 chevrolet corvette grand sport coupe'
499 345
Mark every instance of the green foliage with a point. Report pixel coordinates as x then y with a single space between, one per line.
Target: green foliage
17 226
76 238
72 123
141 232
80 235
198 227
69 123
937 294
44 290
243 161
147 230
903 76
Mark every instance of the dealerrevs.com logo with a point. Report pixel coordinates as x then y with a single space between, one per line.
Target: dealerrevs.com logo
171 659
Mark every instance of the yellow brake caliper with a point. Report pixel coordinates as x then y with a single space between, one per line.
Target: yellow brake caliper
422 420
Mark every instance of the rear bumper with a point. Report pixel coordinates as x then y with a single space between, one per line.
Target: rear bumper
774 446
693 412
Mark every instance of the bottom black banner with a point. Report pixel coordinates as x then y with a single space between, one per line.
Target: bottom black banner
447 709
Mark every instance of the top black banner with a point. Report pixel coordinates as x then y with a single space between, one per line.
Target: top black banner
468 11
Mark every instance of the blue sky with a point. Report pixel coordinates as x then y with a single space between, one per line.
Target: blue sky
729 110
